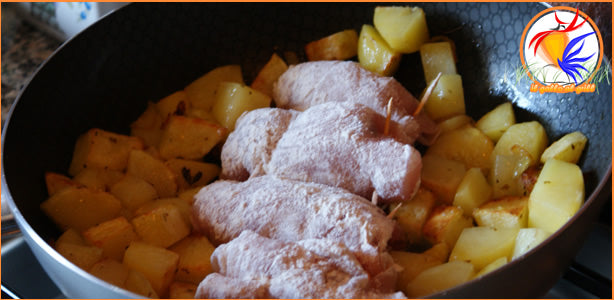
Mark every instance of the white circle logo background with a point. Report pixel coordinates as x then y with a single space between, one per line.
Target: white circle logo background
545 72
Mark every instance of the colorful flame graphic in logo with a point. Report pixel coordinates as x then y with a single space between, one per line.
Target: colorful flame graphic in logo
561 46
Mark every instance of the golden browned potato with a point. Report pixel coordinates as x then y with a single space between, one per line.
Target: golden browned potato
506 212
201 92
152 170
447 99
445 224
557 195
413 264
233 99
437 58
112 236
111 271
189 138
161 226
374 54
81 208
439 278
192 173
404 28
412 214
472 192
157 264
102 149
442 176
467 145
194 258
56 182
481 246
137 283
568 148
268 75
337 46
497 121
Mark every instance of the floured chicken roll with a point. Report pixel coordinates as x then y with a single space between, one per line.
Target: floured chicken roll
337 144
253 266
248 148
312 83
291 211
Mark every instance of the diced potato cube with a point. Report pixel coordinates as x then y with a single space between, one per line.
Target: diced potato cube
82 255
56 182
98 179
184 207
557 195
527 239
472 191
233 99
374 54
439 251
162 226
111 271
483 245
506 175
467 145
404 28
506 212
337 46
447 99
81 208
497 121
268 75
102 149
157 264
138 283
201 114
527 139
442 176
133 191
188 195
445 225
71 236
439 278
112 236
201 92
413 264
191 173
154 171
148 126
412 215
174 104
189 138
529 178
568 148
497 263
454 122
194 258
182 290
437 58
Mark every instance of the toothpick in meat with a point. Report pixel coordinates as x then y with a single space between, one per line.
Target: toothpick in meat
427 94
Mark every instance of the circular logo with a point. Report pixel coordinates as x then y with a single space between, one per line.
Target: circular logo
561 45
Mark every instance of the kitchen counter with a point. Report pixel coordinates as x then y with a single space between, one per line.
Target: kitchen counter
24 48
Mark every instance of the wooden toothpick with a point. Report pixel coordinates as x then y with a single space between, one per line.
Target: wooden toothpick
427 94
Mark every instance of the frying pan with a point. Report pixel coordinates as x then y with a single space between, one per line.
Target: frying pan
105 76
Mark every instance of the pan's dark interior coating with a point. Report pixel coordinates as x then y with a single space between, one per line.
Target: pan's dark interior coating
105 76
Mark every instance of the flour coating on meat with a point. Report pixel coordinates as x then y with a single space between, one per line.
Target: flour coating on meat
291 211
307 84
253 266
250 145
